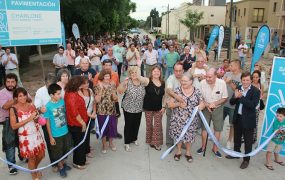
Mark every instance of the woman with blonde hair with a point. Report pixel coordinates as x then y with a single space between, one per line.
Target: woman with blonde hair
132 104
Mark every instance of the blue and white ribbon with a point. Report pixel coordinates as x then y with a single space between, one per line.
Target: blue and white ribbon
98 132
45 167
184 130
212 136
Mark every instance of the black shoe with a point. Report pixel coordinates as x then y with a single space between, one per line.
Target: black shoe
119 136
93 131
244 164
231 157
13 171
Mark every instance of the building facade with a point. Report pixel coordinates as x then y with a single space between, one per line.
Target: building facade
213 15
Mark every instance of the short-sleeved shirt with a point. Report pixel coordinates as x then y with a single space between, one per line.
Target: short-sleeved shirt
5 96
42 97
279 138
56 115
119 52
161 54
10 65
130 54
78 58
172 82
95 60
218 92
79 72
114 58
241 52
171 59
114 78
151 57
235 78
60 59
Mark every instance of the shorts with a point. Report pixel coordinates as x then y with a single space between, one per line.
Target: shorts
217 118
62 146
229 112
273 147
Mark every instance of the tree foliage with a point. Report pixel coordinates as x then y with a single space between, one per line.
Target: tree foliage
97 17
192 19
156 19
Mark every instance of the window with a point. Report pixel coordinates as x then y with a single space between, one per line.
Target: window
274 6
238 12
244 11
258 14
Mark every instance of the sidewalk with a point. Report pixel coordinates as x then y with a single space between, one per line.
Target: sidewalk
144 163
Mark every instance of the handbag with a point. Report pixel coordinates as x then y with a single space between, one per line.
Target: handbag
261 104
9 134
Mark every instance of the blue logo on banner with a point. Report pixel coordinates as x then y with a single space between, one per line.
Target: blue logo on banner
275 99
261 42
214 35
63 35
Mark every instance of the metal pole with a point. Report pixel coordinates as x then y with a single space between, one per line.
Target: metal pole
229 54
168 21
41 61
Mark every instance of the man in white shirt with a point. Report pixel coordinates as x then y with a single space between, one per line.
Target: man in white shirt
10 62
42 97
242 50
59 60
150 58
215 94
78 58
94 54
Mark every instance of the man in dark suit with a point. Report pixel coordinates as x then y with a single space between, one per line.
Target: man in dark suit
246 98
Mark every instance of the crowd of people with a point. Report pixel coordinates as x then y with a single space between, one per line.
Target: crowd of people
163 76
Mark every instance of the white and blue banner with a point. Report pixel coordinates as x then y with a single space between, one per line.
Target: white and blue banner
261 42
221 39
213 36
63 35
75 31
28 22
275 98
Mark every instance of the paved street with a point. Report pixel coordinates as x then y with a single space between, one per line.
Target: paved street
144 163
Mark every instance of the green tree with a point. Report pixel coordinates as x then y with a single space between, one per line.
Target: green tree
192 21
156 20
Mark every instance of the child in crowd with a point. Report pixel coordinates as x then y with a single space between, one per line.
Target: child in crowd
57 127
278 140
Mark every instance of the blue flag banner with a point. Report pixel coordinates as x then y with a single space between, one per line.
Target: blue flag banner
214 35
63 35
275 99
261 42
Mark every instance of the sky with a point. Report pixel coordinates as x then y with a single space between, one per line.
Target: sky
145 6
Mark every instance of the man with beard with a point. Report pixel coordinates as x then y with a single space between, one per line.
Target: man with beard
6 102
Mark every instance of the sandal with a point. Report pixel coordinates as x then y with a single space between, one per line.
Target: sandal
127 148
269 167
79 166
189 158
177 157
158 148
280 163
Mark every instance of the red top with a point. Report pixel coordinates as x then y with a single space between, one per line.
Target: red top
75 105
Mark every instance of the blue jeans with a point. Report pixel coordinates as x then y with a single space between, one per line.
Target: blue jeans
169 71
10 155
242 59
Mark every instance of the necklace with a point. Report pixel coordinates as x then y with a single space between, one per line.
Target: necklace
157 91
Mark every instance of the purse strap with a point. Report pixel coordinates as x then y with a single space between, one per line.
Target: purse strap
15 112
